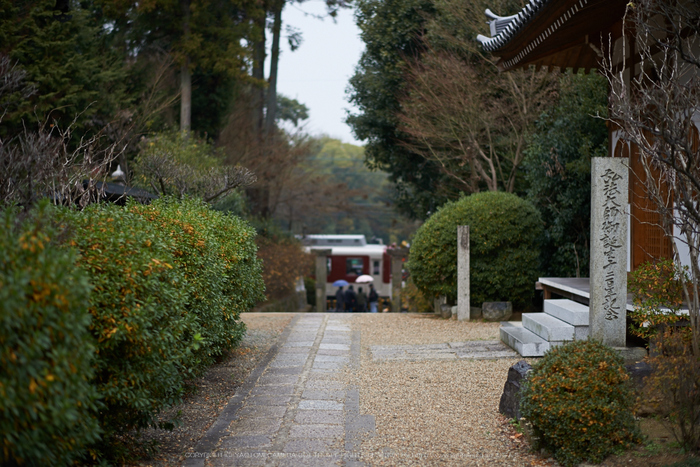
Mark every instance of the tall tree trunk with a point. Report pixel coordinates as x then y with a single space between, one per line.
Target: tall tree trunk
185 74
259 75
271 114
185 97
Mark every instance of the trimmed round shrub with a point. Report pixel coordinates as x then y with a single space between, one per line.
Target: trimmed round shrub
504 231
47 403
579 403
139 318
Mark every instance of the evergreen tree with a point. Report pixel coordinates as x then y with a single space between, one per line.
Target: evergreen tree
558 168
65 59
391 30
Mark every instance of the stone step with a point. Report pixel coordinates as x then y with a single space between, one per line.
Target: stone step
548 327
568 311
526 343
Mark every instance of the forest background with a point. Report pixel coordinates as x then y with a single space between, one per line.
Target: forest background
439 121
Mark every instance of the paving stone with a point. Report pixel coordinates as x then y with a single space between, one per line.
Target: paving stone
299 359
336 342
315 404
436 346
491 354
321 375
245 441
322 372
315 461
333 352
292 370
255 426
277 379
337 339
268 400
237 458
433 356
311 417
336 327
327 366
299 344
298 335
331 358
293 351
281 390
286 364
320 394
316 431
261 411
325 384
311 446
334 346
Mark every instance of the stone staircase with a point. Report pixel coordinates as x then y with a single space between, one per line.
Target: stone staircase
562 321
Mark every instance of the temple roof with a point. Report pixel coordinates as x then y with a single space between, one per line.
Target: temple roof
554 33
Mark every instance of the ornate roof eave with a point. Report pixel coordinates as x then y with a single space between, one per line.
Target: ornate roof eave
517 22
552 33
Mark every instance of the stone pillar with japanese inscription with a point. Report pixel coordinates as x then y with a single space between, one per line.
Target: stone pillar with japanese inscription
321 278
608 273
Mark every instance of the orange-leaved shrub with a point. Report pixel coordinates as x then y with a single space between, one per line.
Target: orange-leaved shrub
674 386
139 320
657 290
47 404
217 254
578 400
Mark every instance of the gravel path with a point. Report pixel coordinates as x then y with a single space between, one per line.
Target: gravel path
434 410
353 389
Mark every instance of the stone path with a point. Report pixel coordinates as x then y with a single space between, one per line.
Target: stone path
297 409
450 351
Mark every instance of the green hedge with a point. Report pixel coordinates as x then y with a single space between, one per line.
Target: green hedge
579 403
504 232
47 403
167 284
139 317
217 255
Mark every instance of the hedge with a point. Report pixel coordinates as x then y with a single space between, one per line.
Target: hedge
47 404
96 344
217 255
139 319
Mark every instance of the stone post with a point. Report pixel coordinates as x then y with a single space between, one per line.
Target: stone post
608 273
398 255
437 304
321 277
463 305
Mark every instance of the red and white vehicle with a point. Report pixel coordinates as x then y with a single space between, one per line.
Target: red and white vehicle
352 257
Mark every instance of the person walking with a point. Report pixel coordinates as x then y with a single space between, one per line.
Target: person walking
339 300
373 299
349 300
361 300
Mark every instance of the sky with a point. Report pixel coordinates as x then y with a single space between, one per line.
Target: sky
317 73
